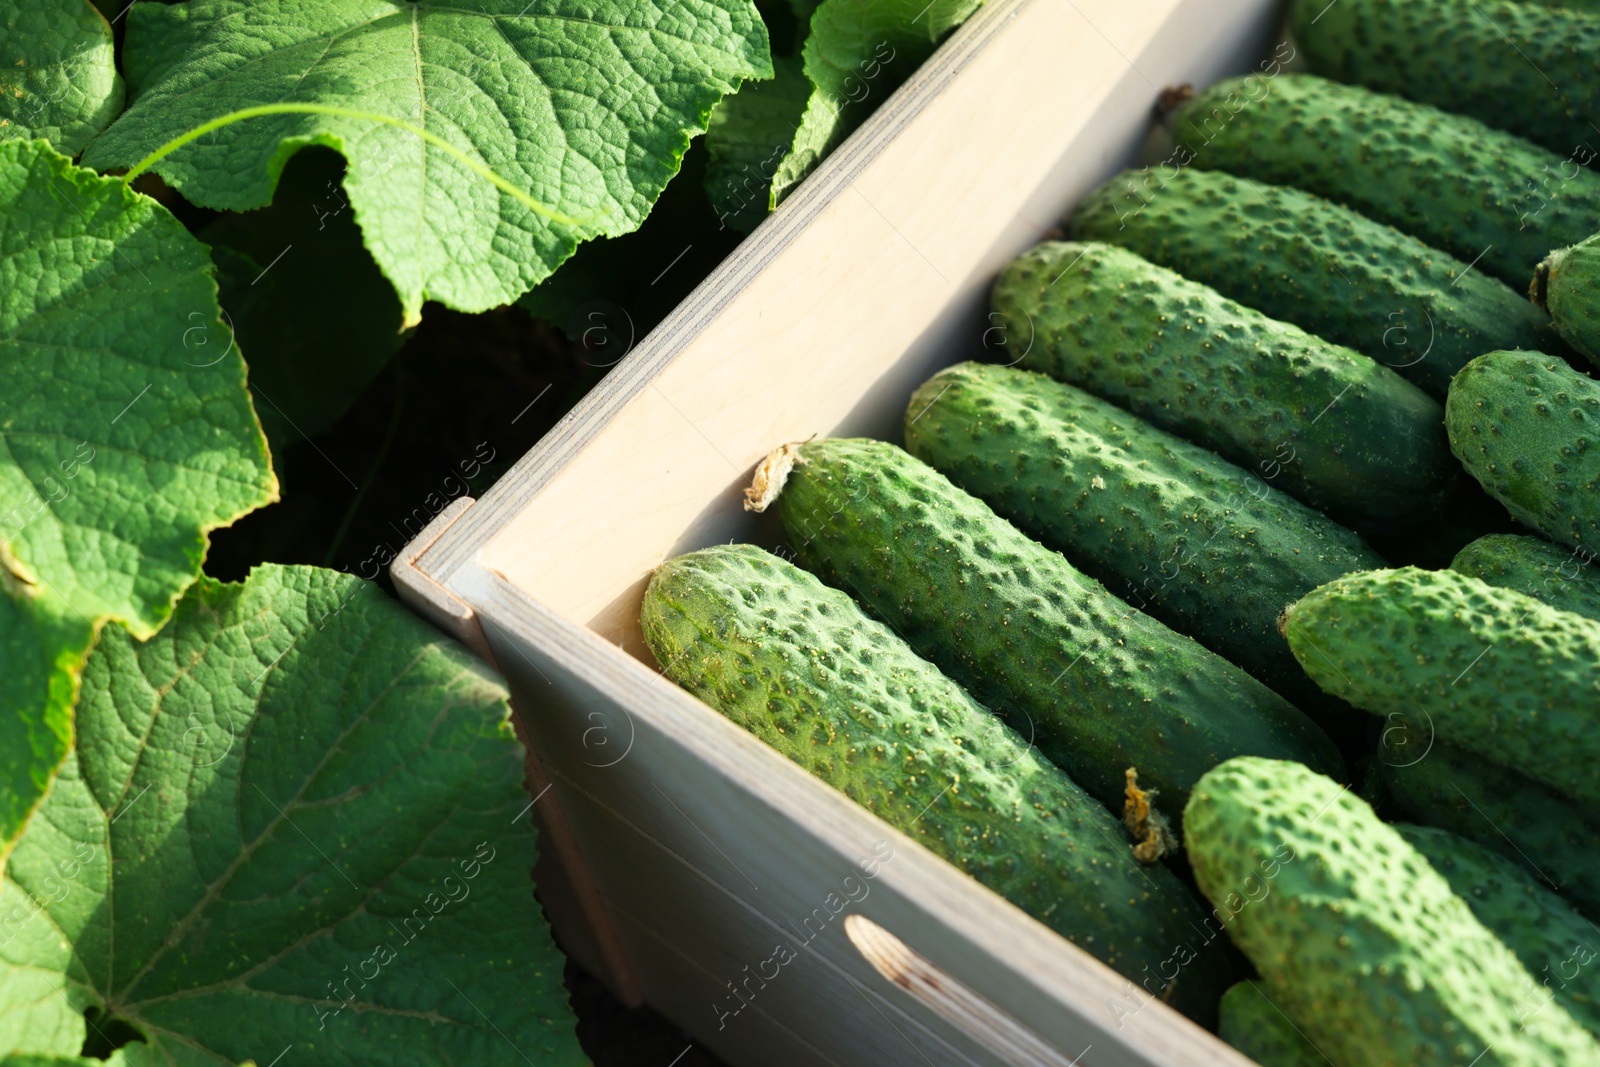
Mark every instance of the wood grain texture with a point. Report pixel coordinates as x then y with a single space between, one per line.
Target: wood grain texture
705 845
975 1015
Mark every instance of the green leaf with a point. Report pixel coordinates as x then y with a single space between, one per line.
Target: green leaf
858 52
116 1059
294 818
121 453
613 292
42 649
586 106
749 135
131 440
58 77
313 314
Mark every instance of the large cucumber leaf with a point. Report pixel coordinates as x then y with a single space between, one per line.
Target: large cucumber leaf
294 820
119 446
58 77
130 440
586 106
857 53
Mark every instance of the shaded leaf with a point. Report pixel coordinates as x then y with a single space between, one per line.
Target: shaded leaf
858 52
42 650
294 817
749 135
127 446
58 77
314 316
613 292
586 107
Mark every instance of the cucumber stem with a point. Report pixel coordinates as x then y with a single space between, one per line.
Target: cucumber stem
1539 288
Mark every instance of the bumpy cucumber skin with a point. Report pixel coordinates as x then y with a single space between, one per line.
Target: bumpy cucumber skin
1356 937
1342 433
1317 264
797 664
1527 822
1173 529
1098 686
1567 285
1527 427
1510 64
1249 1022
1480 194
1497 672
1559 947
1564 578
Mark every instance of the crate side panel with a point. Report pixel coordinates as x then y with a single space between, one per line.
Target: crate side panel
755 967
757 829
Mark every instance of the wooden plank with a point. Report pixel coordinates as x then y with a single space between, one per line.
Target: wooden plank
976 1015
425 594
756 971
755 843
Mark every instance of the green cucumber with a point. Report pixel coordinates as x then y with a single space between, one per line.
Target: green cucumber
1497 672
1527 427
1559 947
1448 787
1480 194
797 664
1251 1023
1567 285
1317 264
1175 530
1099 686
1558 576
1321 421
1514 65
1356 936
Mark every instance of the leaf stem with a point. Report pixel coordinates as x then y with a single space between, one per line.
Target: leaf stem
430 137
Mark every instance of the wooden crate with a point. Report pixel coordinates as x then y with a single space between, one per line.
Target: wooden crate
687 863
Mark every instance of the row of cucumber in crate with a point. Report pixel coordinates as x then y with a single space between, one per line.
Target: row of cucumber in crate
1160 549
